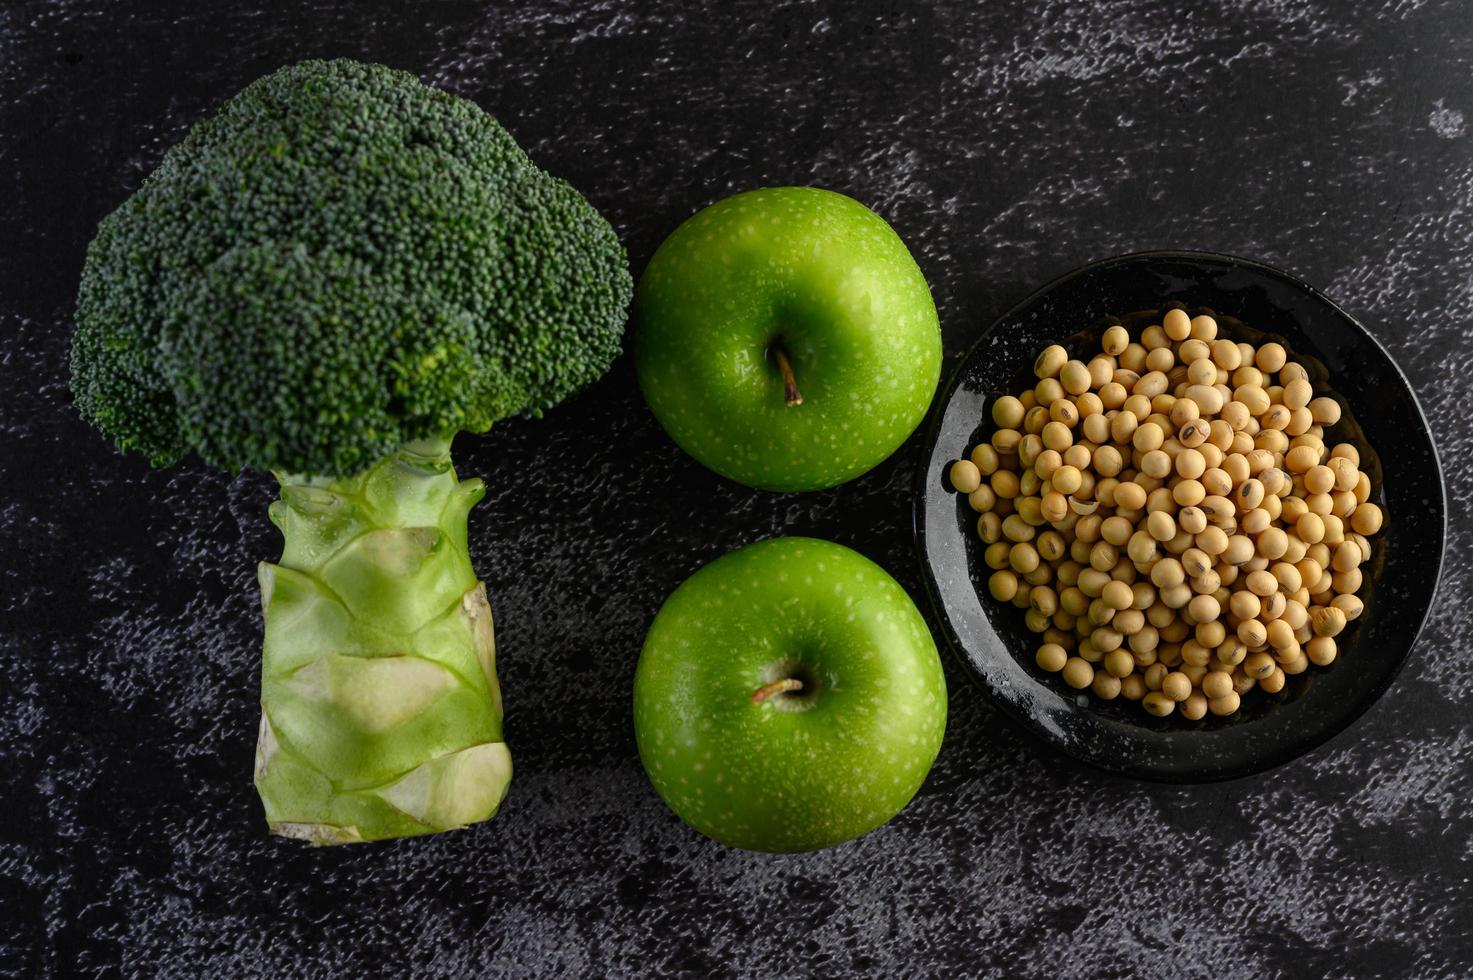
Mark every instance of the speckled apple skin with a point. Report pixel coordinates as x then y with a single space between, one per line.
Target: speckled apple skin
829 280
765 775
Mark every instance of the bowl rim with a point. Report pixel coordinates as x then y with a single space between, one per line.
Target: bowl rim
924 478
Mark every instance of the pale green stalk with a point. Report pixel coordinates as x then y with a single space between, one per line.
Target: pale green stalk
380 710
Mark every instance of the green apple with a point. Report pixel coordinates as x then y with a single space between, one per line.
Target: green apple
789 697
786 338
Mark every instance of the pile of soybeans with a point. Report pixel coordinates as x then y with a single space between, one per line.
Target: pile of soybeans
1171 517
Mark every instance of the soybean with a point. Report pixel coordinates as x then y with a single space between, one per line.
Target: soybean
1172 517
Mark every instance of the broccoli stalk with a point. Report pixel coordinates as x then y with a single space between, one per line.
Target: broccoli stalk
381 712
327 280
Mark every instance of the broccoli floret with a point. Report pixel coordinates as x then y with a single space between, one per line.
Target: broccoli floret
341 261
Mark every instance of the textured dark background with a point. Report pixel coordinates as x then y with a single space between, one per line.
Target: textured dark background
1007 143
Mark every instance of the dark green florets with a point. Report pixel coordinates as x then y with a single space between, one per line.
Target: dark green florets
342 260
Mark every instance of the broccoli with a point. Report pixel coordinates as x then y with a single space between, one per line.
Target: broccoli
327 280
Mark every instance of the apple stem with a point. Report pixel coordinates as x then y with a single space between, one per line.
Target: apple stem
791 395
776 687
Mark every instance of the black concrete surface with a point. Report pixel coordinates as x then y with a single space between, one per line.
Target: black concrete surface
1007 143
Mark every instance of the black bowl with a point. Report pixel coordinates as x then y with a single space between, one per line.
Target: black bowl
1251 301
